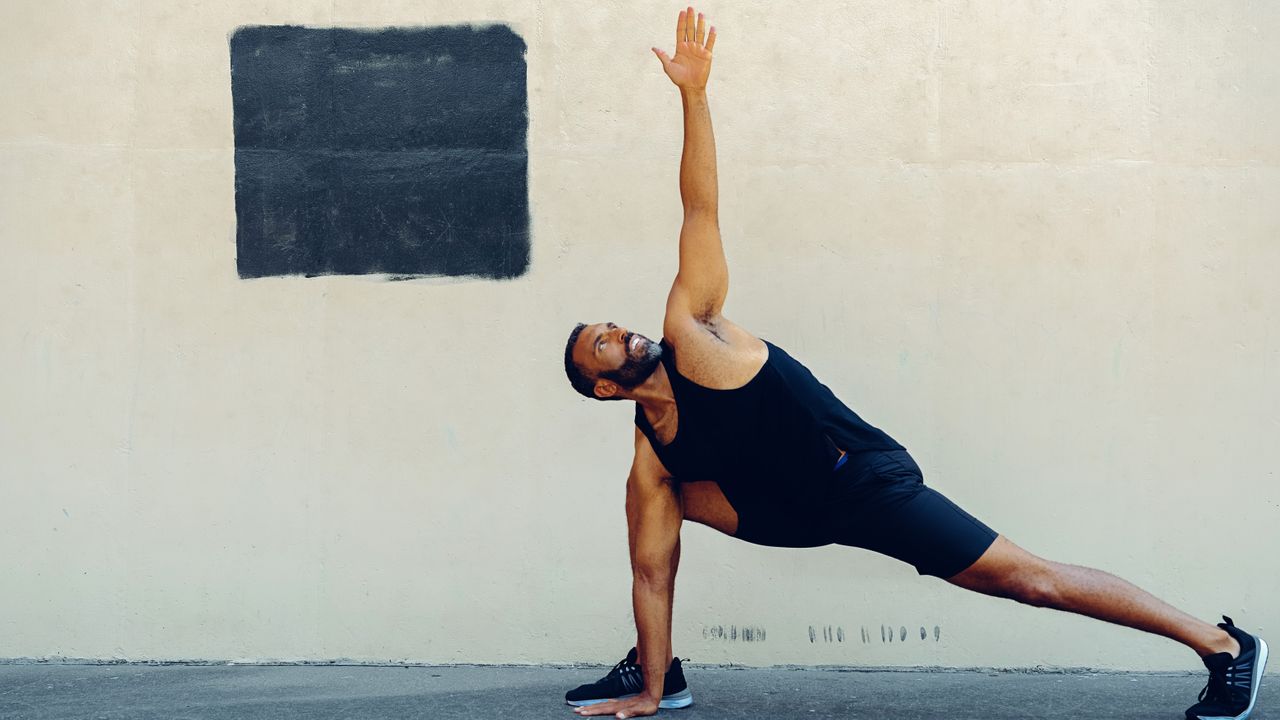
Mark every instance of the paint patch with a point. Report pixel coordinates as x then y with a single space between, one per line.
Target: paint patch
734 633
397 151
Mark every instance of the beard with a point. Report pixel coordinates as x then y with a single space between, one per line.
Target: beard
638 367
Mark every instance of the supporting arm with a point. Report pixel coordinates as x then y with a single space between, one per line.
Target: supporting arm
653 520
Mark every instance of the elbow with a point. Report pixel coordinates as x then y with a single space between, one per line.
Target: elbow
701 208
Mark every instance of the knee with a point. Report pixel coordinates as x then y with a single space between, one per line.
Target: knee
1007 571
1037 587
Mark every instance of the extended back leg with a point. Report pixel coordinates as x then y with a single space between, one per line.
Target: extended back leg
1006 570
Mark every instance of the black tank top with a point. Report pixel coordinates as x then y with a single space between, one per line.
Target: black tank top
771 445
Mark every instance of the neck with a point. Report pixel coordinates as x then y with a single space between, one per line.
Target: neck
654 394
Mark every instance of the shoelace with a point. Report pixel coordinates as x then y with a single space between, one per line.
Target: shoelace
628 674
1215 689
617 669
1230 685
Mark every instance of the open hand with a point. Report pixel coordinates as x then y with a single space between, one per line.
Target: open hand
692 64
631 707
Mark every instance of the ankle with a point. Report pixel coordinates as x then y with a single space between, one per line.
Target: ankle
1221 642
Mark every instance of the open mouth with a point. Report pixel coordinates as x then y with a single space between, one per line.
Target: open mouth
634 343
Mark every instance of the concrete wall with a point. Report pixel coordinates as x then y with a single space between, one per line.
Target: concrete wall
1035 242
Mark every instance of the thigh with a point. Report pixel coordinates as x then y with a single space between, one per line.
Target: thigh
901 517
704 502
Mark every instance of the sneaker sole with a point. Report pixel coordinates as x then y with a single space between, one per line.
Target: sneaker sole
1254 687
674 701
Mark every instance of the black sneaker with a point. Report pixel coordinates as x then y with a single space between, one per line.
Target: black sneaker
1233 682
627 680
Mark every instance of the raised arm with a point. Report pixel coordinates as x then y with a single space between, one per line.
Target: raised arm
703 279
653 528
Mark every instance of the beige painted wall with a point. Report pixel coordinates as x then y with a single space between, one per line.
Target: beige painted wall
1036 242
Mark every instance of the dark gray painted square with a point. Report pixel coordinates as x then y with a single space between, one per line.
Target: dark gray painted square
399 151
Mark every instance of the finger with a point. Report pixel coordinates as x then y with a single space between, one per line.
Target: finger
629 711
662 57
680 28
700 35
711 38
688 24
604 708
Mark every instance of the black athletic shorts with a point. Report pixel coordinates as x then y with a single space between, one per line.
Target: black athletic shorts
880 503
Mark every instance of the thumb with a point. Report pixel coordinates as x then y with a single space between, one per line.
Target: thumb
661 56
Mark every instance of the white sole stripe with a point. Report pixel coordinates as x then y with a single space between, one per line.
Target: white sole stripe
682 699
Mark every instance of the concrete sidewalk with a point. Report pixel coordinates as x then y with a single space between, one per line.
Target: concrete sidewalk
172 692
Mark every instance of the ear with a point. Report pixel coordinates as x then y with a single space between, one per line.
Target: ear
605 389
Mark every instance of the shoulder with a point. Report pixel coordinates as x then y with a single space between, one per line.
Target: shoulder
715 352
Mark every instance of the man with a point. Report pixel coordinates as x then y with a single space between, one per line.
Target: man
734 433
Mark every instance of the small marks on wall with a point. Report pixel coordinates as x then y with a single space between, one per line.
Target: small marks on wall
888 634
826 633
733 633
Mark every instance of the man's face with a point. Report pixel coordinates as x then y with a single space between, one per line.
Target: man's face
612 353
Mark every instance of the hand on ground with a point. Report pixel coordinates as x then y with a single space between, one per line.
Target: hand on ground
629 708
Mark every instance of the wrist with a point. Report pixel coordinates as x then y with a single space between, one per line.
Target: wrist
653 687
653 696
690 91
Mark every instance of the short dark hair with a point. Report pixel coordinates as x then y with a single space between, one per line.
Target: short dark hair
578 379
